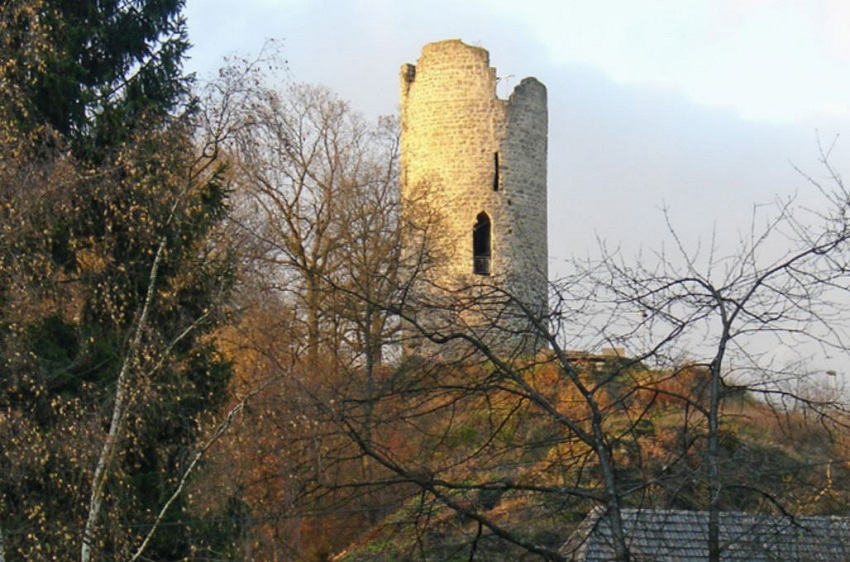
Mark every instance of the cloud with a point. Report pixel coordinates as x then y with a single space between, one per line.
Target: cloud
781 62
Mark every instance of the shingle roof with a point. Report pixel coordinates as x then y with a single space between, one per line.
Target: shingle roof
682 536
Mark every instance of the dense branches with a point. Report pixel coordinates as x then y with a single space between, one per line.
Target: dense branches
110 287
320 198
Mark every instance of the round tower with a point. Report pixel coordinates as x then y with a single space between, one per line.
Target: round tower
476 165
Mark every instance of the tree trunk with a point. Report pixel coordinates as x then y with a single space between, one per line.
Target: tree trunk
713 462
119 409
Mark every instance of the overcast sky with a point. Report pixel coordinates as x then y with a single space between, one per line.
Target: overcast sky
699 106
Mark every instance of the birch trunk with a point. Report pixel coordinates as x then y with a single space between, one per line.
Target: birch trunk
119 409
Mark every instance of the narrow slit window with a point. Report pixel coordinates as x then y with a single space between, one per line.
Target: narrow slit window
481 245
495 171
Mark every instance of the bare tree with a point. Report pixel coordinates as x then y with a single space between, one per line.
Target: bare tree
755 320
317 214
324 182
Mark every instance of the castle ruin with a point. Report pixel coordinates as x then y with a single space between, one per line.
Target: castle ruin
479 163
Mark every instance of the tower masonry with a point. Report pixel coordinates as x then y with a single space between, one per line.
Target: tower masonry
478 163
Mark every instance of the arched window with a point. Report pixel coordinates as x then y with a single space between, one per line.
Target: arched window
481 245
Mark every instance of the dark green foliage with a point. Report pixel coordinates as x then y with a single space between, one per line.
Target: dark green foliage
220 537
99 185
112 63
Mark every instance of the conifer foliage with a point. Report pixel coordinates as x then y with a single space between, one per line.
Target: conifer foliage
109 286
100 66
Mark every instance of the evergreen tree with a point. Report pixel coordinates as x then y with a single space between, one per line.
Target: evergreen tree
108 278
106 66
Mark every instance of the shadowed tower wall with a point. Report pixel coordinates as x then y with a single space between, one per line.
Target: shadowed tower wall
478 163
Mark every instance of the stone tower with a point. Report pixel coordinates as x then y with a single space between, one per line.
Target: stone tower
477 163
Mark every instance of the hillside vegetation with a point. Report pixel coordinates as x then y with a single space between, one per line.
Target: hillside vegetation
456 462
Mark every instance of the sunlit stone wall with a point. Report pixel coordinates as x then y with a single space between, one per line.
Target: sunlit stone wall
466 152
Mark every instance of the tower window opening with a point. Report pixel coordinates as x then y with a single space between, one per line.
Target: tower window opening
495 171
481 245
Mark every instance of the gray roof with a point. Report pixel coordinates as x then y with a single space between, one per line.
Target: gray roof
682 536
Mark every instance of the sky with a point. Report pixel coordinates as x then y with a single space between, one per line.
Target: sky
701 109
